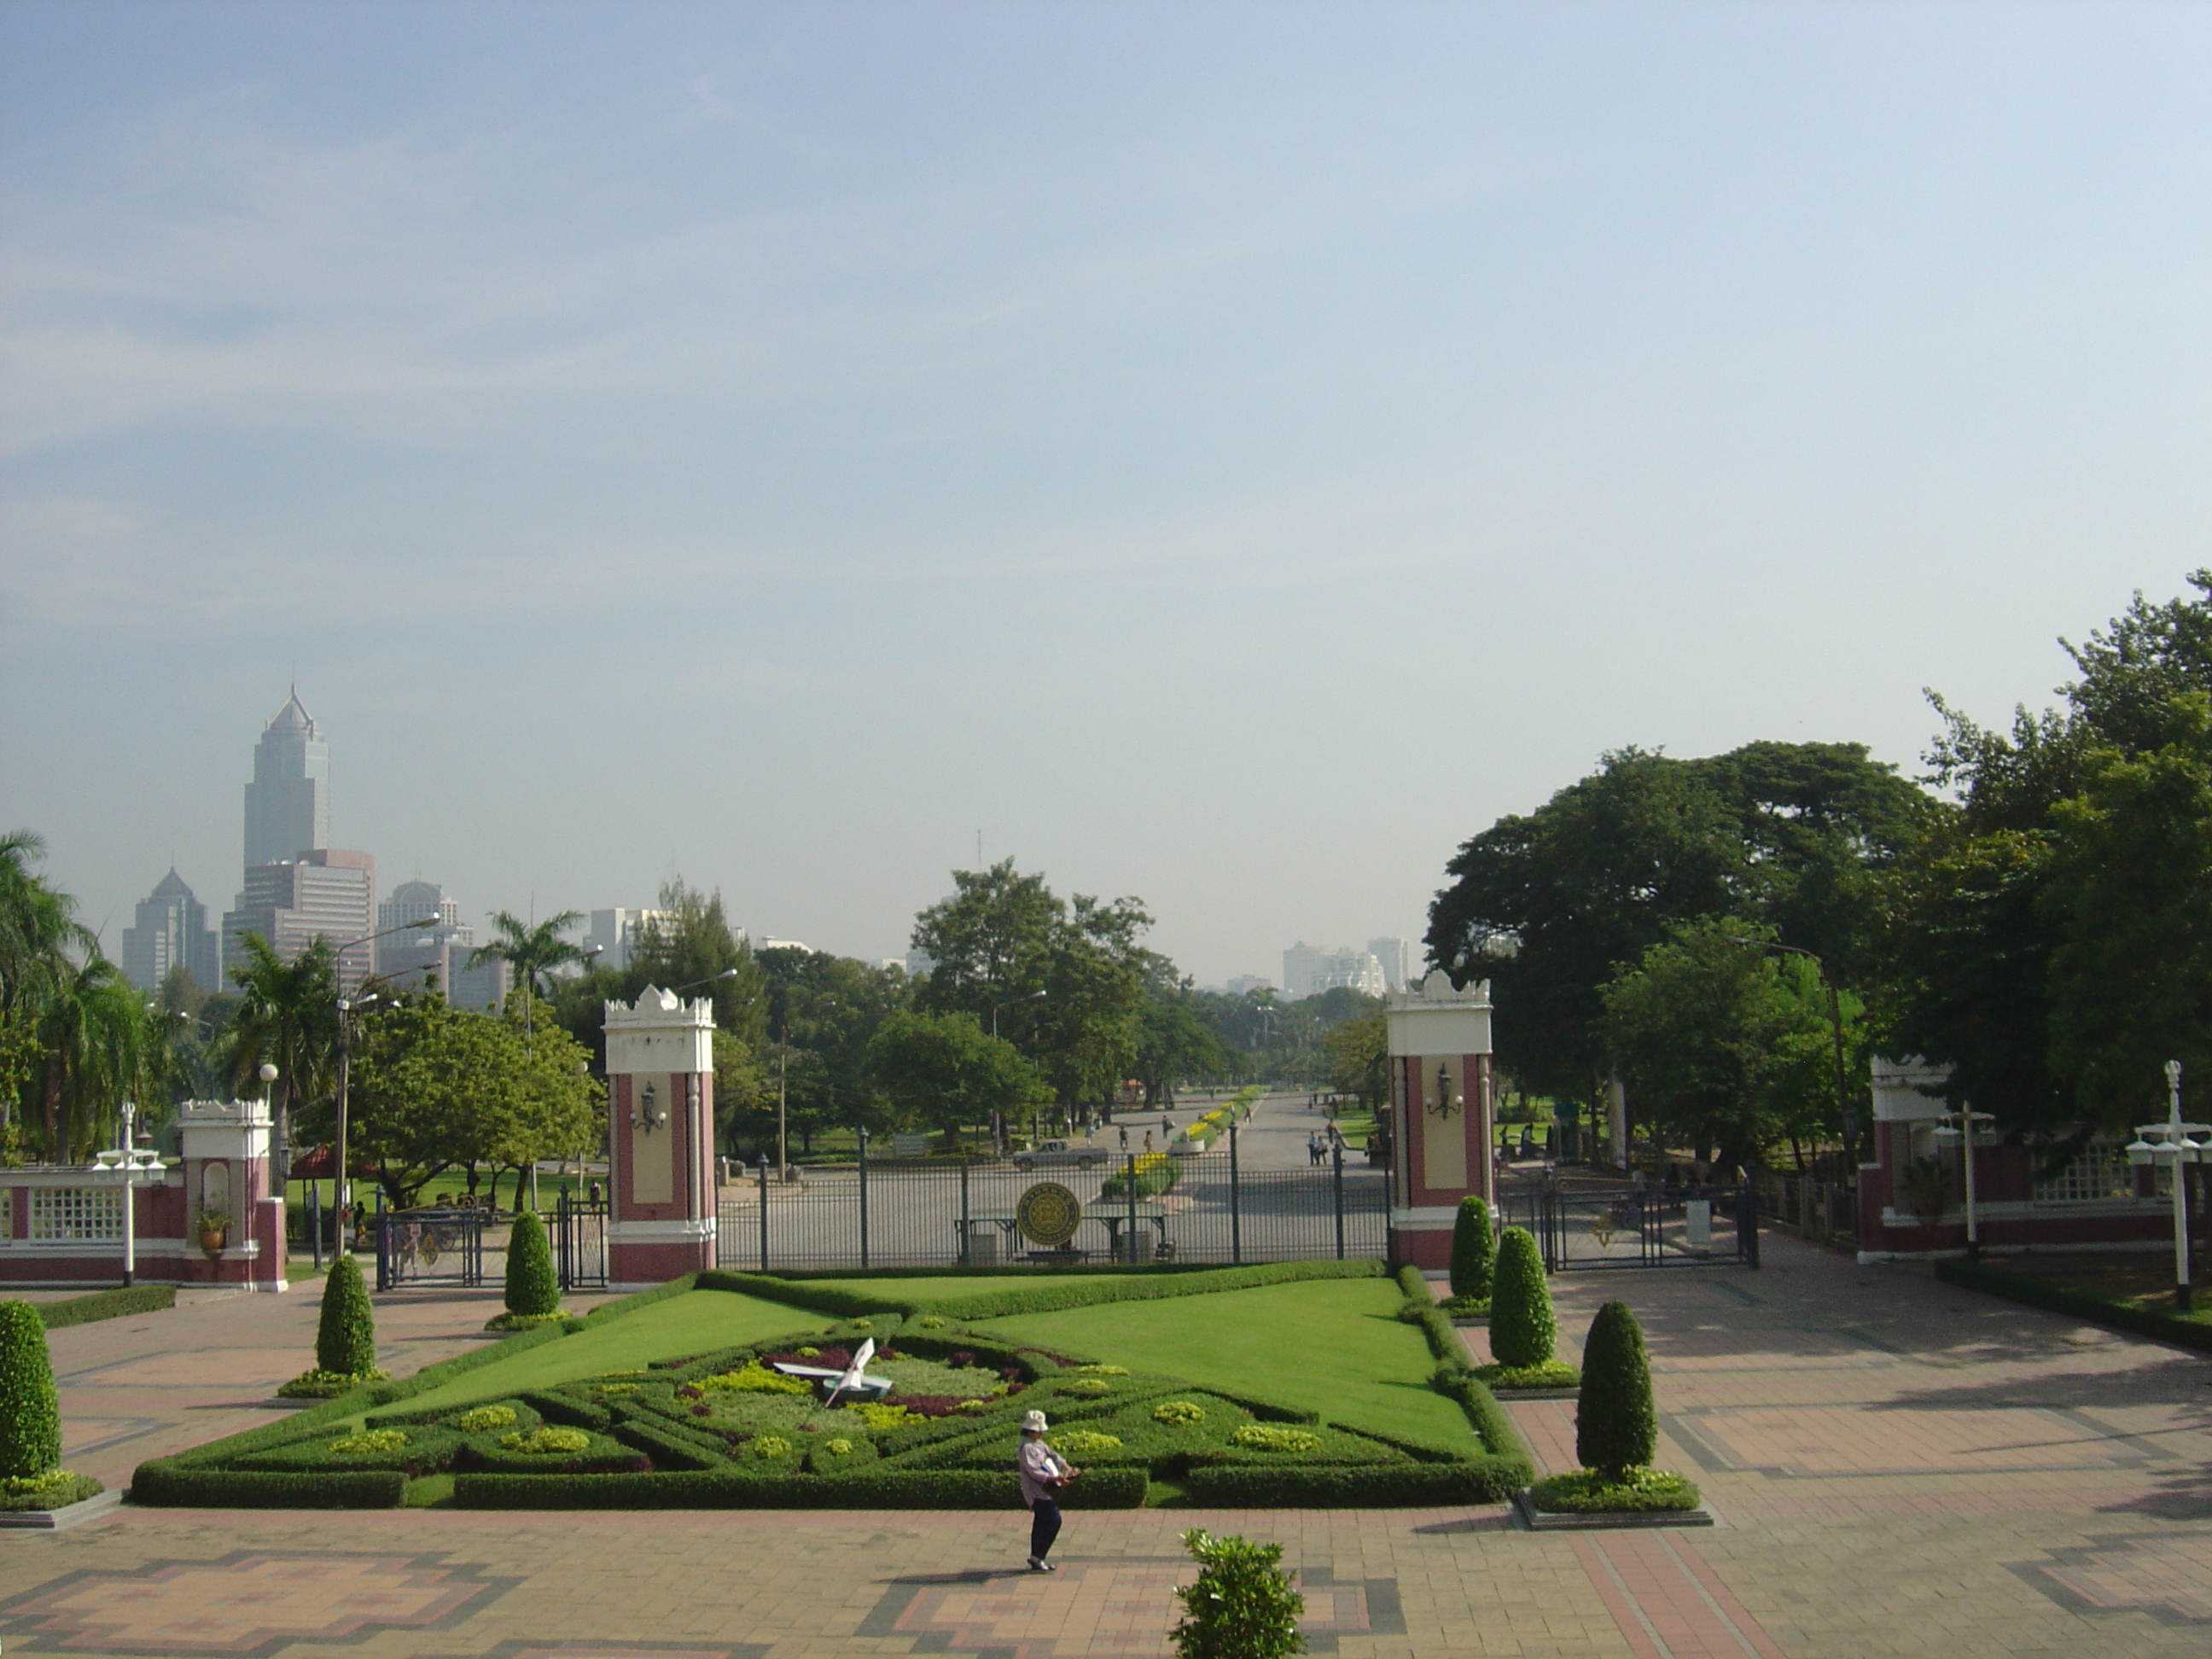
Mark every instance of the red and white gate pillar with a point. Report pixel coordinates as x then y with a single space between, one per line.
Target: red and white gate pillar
660 1138
1442 1113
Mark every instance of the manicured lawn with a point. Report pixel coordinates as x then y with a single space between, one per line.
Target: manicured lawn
1332 1345
691 1324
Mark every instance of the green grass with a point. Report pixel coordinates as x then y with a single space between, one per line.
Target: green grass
1335 1346
695 1322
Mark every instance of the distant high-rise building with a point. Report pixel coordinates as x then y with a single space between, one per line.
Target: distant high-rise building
1395 956
1245 984
287 805
326 893
1308 971
409 959
172 932
617 933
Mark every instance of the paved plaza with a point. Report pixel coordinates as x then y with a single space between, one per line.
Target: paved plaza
1898 1467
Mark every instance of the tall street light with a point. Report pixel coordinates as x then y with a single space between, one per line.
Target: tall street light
2168 1145
130 1163
1844 1115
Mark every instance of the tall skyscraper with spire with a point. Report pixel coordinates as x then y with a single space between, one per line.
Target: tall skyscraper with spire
287 805
298 887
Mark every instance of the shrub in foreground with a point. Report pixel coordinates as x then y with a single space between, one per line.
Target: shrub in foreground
345 1340
1616 1429
1586 1490
533 1289
30 1413
1242 1606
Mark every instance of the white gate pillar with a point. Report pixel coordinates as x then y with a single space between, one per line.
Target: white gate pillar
1441 1139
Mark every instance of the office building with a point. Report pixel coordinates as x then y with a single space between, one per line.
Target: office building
1245 984
326 892
287 805
1309 971
414 958
172 932
616 933
1395 959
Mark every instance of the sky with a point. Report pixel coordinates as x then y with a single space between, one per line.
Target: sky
1227 454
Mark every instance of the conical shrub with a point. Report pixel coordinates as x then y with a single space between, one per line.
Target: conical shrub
1523 1331
1616 1429
30 1414
532 1287
1474 1248
345 1342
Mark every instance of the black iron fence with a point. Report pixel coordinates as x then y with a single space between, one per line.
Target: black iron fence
1586 1226
579 1239
420 1247
1204 1206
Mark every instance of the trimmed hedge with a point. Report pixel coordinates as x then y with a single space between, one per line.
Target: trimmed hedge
1523 1330
533 1289
1474 1248
428 1451
1377 1486
1616 1426
168 1480
2077 1304
30 1411
345 1337
1052 1291
870 1489
106 1304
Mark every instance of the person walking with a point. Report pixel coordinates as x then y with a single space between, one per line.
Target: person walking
1125 1137
1044 1472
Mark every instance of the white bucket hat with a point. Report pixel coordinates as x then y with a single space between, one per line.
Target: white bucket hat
1032 1422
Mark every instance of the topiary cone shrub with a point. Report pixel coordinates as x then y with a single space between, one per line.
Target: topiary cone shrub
30 1413
1474 1249
532 1288
345 1342
1522 1330
1242 1606
1616 1430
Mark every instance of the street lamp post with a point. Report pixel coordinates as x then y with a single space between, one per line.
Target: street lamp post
129 1164
1959 1126
2168 1145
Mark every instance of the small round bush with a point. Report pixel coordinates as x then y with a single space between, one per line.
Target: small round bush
769 1446
1243 1605
1522 1330
1103 1370
1474 1248
1179 1413
345 1342
30 1413
532 1287
1616 1430
1083 1442
485 1418
1090 1386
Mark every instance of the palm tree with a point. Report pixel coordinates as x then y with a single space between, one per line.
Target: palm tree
94 1030
287 1018
530 949
40 941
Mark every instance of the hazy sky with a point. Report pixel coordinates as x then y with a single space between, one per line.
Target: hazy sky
1228 454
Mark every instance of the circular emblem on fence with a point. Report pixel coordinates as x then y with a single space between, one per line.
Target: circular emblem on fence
1048 1214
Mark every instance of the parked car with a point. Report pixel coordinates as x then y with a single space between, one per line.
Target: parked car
1055 1154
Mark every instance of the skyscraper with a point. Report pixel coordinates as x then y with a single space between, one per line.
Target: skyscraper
172 932
409 958
287 805
298 887
1396 956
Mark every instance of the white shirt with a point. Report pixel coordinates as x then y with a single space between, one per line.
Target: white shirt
1039 1463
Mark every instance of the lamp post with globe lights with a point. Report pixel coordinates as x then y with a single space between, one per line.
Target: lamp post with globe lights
2168 1145
130 1163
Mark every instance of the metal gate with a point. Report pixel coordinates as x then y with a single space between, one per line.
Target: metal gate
423 1247
579 1241
1580 1227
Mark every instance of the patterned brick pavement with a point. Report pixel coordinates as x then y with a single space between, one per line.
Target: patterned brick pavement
1899 1468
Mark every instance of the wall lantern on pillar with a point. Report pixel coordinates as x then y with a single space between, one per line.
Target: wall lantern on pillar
1443 1104
651 1113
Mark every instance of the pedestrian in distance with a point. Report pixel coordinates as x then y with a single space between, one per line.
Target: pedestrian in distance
1125 1137
1148 1141
1044 1474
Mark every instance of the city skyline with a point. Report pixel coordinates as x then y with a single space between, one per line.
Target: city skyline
1229 458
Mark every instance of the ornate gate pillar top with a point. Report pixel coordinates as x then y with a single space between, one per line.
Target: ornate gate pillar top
660 1138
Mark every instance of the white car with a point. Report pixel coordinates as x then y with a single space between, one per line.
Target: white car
1055 1154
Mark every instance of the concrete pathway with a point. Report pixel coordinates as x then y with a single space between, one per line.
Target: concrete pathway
1900 1467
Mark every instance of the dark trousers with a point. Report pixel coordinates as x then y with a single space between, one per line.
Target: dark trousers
1044 1527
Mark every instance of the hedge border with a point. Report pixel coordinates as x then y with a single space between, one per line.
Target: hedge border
1057 1290
2080 1304
874 1489
119 1304
166 1481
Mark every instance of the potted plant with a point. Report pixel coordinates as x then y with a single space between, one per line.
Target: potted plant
214 1228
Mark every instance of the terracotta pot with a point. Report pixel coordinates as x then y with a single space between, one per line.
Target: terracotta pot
212 1240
